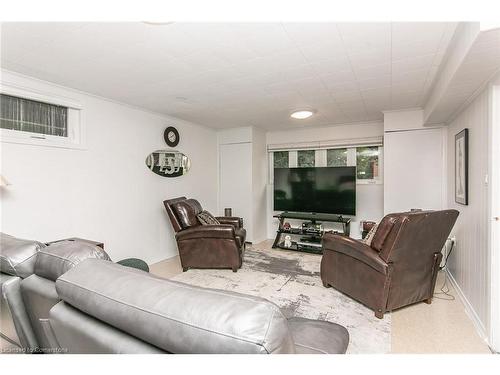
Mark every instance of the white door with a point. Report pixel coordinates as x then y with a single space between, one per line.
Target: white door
235 163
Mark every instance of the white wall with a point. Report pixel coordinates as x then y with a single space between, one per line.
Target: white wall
369 198
403 120
259 172
104 192
414 170
469 264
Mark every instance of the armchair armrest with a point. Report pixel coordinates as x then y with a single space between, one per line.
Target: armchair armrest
207 231
236 222
355 249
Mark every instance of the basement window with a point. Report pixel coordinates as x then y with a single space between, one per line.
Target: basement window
30 116
368 164
37 119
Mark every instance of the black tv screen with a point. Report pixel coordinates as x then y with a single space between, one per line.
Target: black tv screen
329 190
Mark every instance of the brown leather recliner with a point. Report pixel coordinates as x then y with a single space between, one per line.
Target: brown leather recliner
205 246
398 269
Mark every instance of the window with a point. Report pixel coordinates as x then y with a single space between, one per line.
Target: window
39 119
367 163
306 158
336 157
33 116
281 159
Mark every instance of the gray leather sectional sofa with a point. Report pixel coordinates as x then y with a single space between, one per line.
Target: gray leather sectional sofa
73 299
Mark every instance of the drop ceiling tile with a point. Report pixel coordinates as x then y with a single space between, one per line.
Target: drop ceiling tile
325 67
365 35
381 93
339 88
347 96
338 77
406 50
234 73
370 58
307 33
372 72
373 83
321 51
404 32
413 63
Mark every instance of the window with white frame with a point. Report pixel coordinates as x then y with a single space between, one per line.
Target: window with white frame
366 159
281 159
306 158
336 157
368 163
34 118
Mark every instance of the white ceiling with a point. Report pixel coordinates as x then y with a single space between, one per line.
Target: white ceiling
480 64
237 74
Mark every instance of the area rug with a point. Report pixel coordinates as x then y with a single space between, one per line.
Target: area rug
292 281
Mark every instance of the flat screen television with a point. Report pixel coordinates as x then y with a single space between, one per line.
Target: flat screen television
329 190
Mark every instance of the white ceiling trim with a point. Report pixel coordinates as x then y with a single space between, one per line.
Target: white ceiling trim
329 144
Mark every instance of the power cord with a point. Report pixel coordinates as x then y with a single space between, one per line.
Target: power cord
445 289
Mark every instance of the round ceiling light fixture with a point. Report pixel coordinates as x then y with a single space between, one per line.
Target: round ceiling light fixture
302 114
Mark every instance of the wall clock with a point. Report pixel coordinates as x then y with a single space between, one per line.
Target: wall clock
171 136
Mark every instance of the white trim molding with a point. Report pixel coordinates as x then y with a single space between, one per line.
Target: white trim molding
328 144
481 330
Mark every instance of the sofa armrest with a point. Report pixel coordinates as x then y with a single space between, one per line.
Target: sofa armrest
355 249
236 222
222 231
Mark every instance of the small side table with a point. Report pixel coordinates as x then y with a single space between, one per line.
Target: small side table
95 243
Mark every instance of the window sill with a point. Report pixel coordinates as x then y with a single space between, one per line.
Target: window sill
34 139
369 182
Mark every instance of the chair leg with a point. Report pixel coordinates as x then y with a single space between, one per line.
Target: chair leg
379 314
428 301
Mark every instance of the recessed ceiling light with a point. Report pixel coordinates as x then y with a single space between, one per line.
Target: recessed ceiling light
302 114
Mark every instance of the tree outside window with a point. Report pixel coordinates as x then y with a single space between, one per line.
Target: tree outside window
281 159
306 158
336 157
367 163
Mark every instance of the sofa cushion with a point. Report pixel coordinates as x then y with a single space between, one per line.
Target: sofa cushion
206 218
187 211
173 316
15 323
17 256
57 258
383 230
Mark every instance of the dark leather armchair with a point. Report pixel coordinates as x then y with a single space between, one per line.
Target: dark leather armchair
398 269
205 246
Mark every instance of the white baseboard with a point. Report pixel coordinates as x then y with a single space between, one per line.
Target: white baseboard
478 325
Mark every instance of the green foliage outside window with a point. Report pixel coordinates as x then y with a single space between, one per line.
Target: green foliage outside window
306 158
281 159
367 163
336 157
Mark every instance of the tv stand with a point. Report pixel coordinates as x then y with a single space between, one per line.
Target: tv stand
310 237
